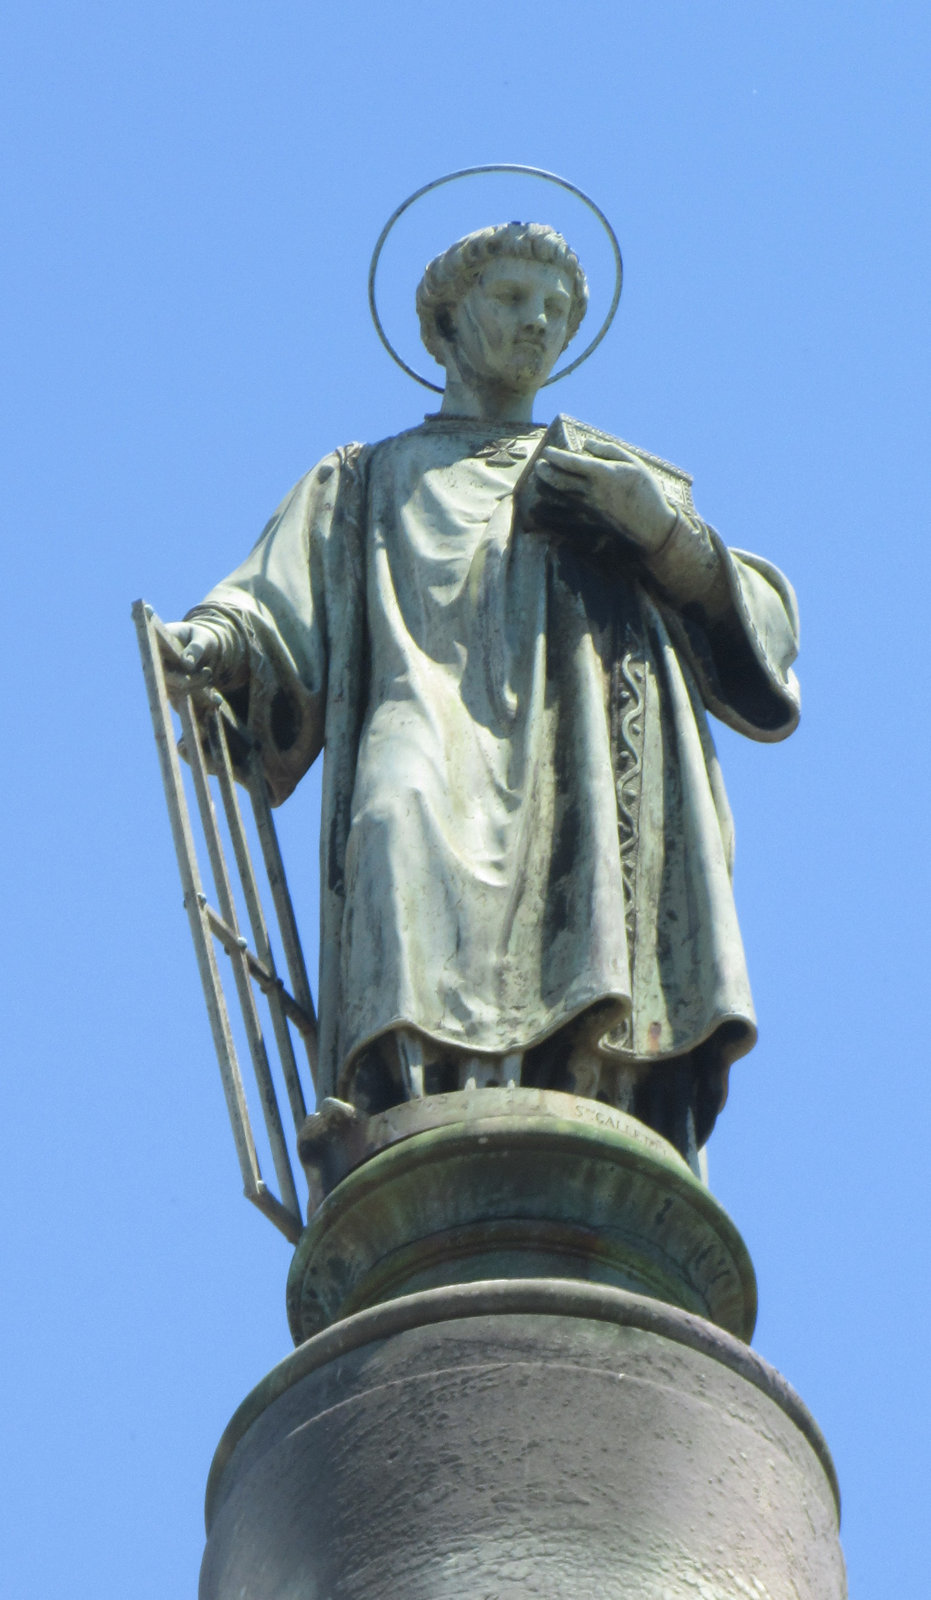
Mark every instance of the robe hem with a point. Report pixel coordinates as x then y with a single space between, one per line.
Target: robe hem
742 1044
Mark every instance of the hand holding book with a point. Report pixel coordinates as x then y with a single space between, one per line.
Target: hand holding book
616 487
596 490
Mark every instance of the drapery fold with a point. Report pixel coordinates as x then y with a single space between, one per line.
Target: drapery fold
523 815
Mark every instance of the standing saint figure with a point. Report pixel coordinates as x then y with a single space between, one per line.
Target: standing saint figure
508 650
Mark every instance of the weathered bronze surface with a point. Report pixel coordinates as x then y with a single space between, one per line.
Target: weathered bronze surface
508 640
511 1183
519 1312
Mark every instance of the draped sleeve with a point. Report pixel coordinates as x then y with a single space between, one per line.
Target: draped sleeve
292 604
734 617
297 607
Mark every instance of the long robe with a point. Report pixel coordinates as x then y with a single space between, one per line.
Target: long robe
523 814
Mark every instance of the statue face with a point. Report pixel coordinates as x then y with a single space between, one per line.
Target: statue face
510 328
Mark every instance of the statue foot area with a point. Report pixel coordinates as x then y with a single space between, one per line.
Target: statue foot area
507 1183
670 1096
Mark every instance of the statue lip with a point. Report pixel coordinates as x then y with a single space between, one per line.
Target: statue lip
534 347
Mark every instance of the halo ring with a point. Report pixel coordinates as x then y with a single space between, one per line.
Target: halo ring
471 172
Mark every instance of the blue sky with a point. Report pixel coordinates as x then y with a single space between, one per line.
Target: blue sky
191 195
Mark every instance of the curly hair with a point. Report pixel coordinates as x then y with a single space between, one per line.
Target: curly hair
449 277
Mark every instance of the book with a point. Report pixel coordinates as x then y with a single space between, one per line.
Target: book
539 507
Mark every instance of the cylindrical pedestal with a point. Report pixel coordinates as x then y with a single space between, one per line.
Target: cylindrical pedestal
494 1441
510 1183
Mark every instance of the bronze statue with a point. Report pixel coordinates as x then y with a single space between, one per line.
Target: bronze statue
507 639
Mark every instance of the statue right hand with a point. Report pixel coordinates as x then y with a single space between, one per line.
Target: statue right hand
199 647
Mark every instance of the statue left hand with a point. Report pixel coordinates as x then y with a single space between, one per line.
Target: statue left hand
615 483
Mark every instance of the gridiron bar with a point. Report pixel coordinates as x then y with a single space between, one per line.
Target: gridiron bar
193 750
267 980
284 910
204 716
224 773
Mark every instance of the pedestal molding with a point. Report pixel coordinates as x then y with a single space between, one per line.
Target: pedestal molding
543 1296
521 1185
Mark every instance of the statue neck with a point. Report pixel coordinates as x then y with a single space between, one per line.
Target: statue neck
486 404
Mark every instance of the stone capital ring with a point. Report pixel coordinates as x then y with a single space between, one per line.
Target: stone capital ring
471 172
